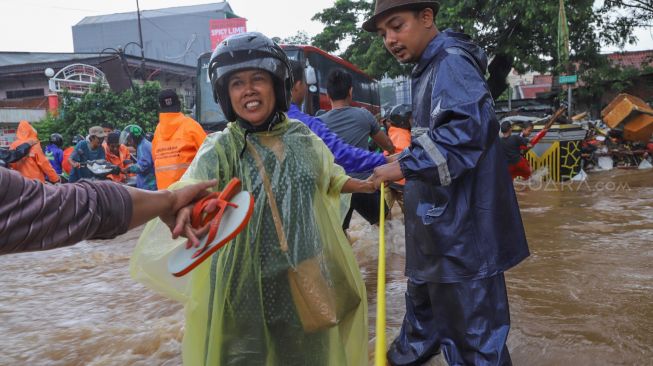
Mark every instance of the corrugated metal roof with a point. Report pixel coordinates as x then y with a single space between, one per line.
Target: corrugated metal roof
26 62
216 7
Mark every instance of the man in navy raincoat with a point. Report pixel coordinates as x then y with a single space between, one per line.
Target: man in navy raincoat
463 226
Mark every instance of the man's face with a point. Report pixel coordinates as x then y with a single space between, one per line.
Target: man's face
95 142
114 148
298 92
406 33
527 131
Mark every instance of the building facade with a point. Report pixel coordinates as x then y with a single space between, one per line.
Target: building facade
177 35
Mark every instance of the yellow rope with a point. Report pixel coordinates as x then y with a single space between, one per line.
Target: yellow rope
379 347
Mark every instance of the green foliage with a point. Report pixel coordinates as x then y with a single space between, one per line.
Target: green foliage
46 127
517 33
638 13
606 77
300 38
137 106
365 49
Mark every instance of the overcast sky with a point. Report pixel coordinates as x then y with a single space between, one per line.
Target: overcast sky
46 25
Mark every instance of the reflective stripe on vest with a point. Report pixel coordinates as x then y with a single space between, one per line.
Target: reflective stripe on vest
167 168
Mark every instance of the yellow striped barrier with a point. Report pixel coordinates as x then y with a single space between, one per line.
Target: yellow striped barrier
550 159
379 345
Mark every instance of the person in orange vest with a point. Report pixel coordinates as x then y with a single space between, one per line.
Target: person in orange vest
177 139
65 163
116 154
35 165
399 133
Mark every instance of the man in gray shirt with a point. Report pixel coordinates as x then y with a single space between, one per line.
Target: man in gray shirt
354 125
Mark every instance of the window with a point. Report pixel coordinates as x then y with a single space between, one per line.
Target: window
25 93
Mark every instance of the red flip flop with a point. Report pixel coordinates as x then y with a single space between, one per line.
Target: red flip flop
234 209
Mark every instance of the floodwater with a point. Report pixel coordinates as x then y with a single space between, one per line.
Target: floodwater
584 296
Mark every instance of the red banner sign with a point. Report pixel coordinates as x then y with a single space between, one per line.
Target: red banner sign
223 28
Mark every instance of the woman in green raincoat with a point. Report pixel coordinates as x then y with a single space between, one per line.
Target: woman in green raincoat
241 306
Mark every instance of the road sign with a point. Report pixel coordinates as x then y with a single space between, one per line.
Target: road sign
568 79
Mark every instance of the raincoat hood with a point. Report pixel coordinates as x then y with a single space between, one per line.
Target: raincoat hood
169 123
445 40
24 133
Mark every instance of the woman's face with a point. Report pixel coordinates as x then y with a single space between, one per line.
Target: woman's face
252 95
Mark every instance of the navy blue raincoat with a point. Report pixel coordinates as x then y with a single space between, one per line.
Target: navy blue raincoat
351 158
462 218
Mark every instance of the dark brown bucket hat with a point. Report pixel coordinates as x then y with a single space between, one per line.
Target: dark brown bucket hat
384 6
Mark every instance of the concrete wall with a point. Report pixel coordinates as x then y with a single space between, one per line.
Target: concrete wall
11 115
185 88
23 84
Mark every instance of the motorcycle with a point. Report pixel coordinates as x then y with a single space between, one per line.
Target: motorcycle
100 168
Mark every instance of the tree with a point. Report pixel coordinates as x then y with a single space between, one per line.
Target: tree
517 33
137 106
300 38
640 12
365 50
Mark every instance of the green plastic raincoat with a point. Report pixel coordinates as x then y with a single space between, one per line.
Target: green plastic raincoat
239 309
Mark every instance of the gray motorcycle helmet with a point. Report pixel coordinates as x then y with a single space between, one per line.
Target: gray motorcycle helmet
247 51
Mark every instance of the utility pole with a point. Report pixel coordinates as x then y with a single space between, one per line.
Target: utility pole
140 37
569 94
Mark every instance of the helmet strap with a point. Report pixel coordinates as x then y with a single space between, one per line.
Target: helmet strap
274 119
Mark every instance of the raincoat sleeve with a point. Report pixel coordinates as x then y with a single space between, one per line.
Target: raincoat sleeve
77 154
36 216
44 164
144 163
198 134
149 261
351 158
335 173
462 125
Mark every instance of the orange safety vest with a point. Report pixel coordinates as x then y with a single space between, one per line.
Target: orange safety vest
35 165
118 160
400 138
65 164
177 139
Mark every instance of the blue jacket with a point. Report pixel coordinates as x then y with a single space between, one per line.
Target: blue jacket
144 167
81 154
462 218
55 156
351 158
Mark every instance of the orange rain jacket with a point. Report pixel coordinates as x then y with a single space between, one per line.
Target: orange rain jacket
65 164
176 141
35 165
118 160
400 138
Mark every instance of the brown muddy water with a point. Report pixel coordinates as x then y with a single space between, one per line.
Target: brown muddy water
584 297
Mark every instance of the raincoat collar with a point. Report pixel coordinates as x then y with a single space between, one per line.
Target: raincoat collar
278 128
431 50
443 40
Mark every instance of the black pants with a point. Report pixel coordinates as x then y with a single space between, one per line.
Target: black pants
367 205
